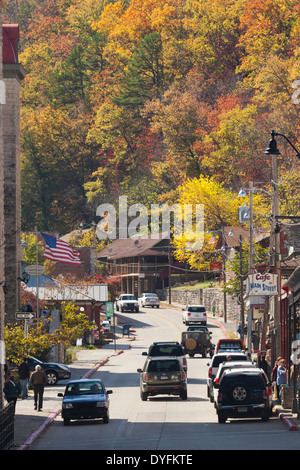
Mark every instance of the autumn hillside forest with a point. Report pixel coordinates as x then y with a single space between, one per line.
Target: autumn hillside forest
159 100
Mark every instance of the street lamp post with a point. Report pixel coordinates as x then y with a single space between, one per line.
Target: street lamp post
274 152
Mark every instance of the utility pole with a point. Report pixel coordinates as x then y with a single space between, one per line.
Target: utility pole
250 311
242 287
276 247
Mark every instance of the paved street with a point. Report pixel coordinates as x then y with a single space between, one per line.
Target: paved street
162 422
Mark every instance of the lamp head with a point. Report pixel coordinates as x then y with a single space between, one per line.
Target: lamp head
272 149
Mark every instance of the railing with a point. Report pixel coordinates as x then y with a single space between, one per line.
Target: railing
7 430
134 268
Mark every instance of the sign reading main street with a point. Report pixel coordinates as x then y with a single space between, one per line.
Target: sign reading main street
262 284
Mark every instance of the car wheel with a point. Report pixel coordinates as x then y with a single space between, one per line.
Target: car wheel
66 421
265 416
144 396
183 395
137 310
221 417
51 378
106 418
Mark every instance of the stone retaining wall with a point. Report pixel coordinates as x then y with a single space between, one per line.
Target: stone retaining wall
204 297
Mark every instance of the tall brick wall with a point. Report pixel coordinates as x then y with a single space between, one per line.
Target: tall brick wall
13 73
2 354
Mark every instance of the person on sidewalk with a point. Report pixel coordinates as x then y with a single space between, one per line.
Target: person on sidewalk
281 378
24 374
11 390
38 380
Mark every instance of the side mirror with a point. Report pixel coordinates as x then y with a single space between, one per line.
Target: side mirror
144 354
139 370
216 385
108 392
60 395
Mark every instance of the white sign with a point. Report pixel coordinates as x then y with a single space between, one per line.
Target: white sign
35 270
262 284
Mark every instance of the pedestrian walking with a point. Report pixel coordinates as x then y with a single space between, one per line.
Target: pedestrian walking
262 364
281 378
38 380
24 374
11 390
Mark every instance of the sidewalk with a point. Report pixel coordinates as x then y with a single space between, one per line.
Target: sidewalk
29 423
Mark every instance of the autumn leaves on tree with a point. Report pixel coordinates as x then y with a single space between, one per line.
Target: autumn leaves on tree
158 100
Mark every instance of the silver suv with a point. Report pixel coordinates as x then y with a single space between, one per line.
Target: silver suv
162 375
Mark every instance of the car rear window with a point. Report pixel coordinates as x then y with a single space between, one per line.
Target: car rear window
219 359
196 309
247 380
164 366
230 345
166 350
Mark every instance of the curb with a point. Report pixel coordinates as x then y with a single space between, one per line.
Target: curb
292 426
57 411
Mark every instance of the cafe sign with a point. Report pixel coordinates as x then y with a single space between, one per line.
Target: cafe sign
262 284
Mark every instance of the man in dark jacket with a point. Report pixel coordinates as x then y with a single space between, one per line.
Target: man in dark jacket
24 373
11 390
38 379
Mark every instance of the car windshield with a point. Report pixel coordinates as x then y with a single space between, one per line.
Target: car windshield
84 388
164 366
150 295
196 309
128 297
166 350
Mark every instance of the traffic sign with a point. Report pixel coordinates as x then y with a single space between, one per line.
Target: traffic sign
35 270
24 315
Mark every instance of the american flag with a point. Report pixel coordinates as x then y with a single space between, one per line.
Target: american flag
58 250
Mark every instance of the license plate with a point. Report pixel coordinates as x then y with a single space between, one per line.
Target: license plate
242 409
163 377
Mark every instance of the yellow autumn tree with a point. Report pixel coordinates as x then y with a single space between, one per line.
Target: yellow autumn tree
221 208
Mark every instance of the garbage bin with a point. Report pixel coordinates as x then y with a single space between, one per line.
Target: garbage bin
126 329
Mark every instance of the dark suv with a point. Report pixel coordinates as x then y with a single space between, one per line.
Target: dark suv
162 375
244 393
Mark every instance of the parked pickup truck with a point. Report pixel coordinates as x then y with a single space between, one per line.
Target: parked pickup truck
196 342
127 302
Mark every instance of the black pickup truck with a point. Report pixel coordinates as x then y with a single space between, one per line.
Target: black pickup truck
196 342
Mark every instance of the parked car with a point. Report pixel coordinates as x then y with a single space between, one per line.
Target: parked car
168 348
149 300
216 360
162 375
244 393
105 325
226 344
53 370
194 314
85 399
127 302
226 366
195 342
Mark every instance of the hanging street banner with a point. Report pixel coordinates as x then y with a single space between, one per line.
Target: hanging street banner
262 284
109 309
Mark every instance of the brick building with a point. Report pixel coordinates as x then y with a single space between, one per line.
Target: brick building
13 74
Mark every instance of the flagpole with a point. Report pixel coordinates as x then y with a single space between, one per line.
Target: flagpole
37 277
